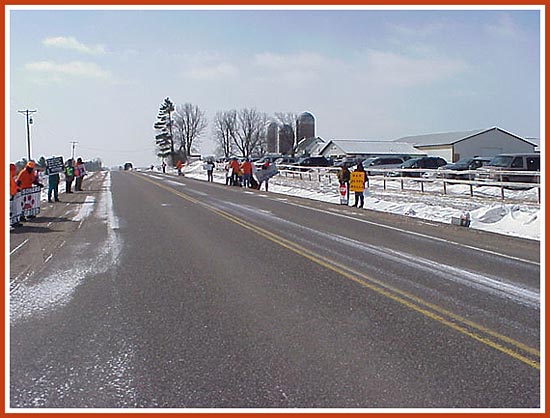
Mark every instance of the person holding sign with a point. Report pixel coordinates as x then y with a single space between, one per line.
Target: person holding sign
53 183
357 185
343 178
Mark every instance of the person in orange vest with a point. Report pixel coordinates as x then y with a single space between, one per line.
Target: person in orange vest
234 164
179 166
13 185
246 168
28 177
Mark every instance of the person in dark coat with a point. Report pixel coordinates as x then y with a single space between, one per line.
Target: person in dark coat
69 175
53 184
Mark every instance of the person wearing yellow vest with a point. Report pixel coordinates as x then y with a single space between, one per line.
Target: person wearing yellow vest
357 185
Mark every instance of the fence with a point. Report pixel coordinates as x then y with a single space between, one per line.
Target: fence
418 178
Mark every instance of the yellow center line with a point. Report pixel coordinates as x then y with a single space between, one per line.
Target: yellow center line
434 312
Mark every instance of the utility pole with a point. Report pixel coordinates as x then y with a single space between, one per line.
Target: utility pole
28 112
74 145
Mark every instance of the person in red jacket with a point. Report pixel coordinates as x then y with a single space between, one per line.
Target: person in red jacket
246 168
179 166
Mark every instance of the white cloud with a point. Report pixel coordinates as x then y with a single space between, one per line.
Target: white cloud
72 43
74 68
395 69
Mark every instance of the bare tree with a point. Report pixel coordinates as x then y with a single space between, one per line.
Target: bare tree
225 131
250 133
189 124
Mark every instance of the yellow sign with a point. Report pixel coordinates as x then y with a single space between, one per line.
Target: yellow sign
357 181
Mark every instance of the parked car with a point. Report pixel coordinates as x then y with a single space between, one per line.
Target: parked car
285 160
382 163
503 167
346 162
416 163
305 162
465 164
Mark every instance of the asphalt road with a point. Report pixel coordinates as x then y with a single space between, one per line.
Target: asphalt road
148 291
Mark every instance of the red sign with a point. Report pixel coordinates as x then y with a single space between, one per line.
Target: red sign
343 189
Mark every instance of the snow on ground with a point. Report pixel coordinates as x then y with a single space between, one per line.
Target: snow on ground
517 215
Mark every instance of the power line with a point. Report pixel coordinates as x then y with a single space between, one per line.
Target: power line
28 112
73 143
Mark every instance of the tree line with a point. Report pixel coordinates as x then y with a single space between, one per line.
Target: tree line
179 129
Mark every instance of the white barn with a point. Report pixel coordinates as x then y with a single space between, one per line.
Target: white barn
361 148
453 146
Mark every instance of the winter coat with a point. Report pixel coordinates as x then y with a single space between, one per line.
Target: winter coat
246 167
27 178
13 185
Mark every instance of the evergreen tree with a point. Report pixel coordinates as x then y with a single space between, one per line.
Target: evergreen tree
164 140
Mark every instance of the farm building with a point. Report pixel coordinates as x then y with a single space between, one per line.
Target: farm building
361 148
482 143
309 146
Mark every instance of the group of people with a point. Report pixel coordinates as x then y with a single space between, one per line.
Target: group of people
73 172
344 178
28 178
242 174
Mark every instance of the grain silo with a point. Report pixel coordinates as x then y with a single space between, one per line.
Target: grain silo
271 137
305 126
286 139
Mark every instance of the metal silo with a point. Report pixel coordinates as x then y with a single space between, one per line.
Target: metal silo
271 136
305 126
286 139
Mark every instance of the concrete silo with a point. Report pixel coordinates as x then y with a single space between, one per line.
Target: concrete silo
271 137
286 139
305 126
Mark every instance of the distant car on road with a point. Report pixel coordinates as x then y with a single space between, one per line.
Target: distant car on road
128 166
465 164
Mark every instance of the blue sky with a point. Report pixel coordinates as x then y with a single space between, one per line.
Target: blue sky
99 76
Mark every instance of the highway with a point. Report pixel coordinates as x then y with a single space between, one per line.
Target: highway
168 292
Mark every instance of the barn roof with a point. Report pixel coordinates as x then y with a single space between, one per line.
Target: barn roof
449 138
362 146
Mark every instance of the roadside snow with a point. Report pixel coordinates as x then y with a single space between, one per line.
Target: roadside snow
517 215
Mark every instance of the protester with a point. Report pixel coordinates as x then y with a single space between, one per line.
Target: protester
15 208
210 170
79 173
69 175
179 166
234 164
360 192
344 178
265 166
246 168
164 167
14 188
28 177
53 184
